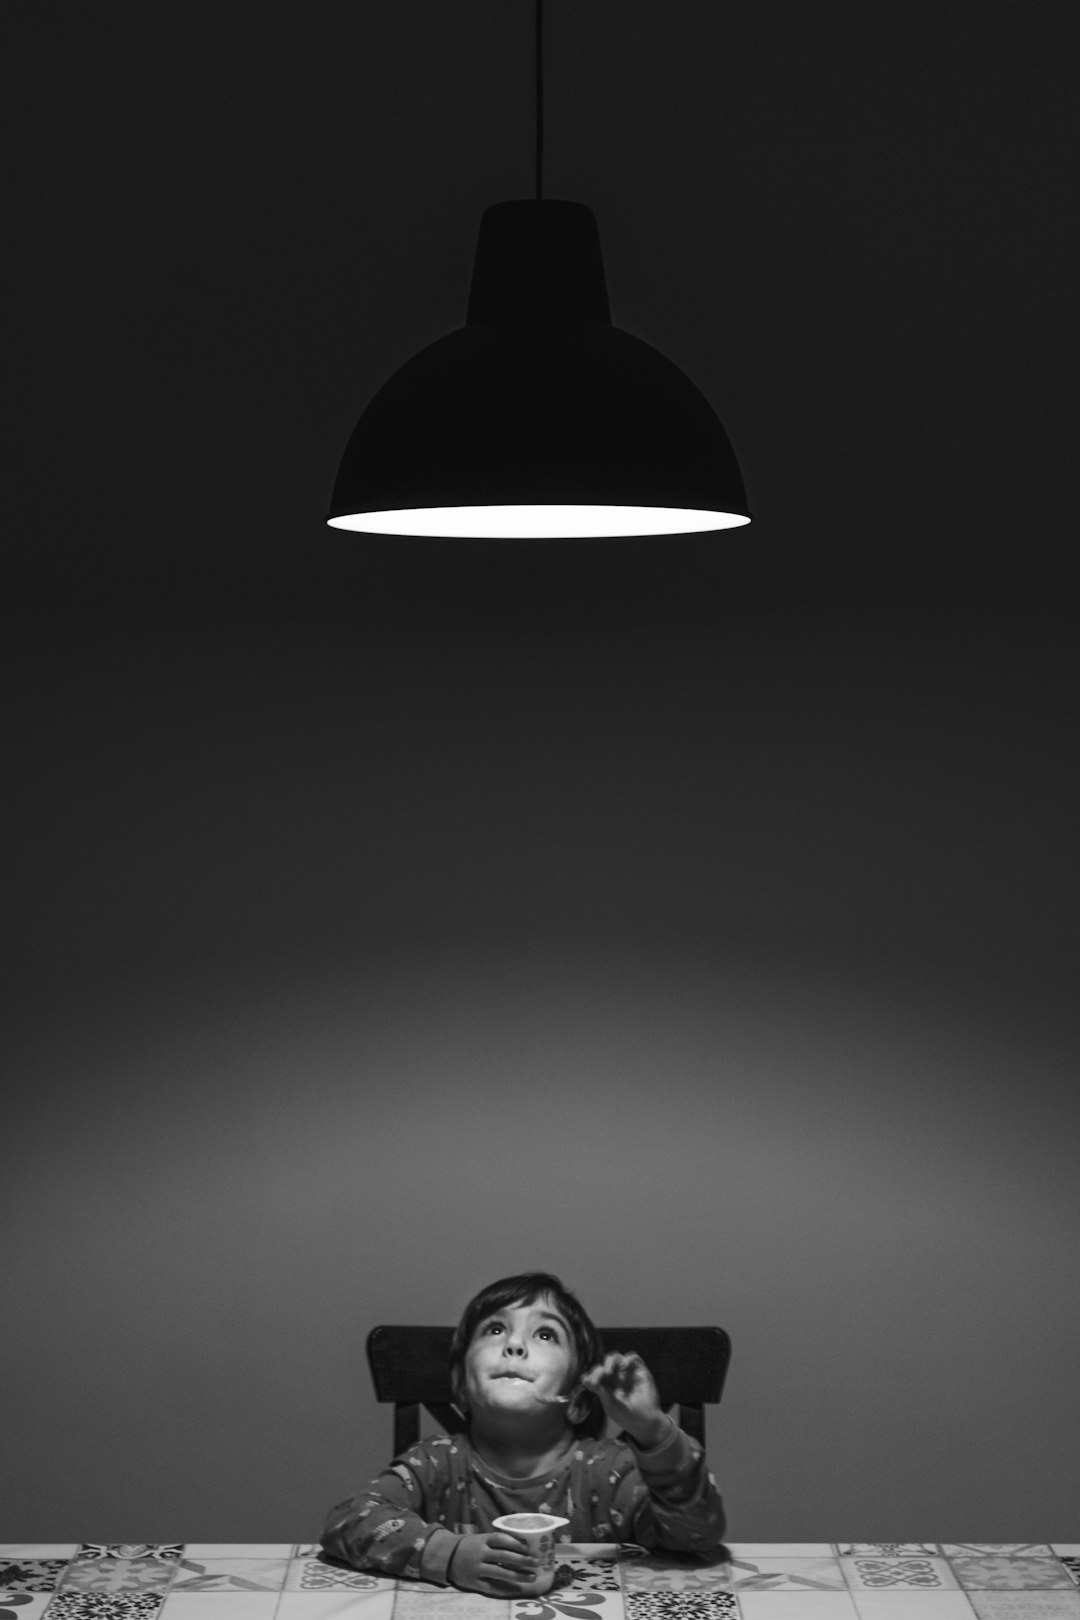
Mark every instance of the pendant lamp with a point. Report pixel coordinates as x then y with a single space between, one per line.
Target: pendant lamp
538 418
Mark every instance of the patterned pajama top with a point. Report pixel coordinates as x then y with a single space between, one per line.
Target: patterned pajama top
410 1518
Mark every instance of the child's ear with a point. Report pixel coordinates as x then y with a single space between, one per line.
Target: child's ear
577 1411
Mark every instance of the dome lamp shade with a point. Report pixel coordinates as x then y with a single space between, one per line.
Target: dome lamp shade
538 417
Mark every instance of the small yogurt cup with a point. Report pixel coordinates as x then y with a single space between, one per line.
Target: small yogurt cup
538 1529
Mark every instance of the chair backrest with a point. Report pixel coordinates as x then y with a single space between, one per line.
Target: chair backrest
410 1367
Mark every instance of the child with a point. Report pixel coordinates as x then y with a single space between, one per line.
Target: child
528 1372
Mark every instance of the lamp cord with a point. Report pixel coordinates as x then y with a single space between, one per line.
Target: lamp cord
539 98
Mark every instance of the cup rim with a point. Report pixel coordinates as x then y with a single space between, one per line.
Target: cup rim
551 1522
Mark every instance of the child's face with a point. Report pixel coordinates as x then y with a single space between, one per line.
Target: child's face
517 1354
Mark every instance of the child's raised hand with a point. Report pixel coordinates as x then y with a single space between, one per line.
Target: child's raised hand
629 1396
496 1563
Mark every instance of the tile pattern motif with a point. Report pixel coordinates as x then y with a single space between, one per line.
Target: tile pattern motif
1026 1605
763 1574
585 1575
921 1574
686 1605
165 1552
119 1575
21 1605
135 1581
567 1603
312 1575
1007 1549
104 1606
995 1573
650 1574
231 1575
30 1575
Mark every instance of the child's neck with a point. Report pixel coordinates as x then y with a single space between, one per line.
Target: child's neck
522 1454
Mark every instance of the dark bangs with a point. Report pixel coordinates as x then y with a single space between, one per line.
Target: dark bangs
526 1289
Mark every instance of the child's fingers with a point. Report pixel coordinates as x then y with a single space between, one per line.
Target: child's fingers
601 1373
617 1373
514 1553
509 1567
513 1545
622 1370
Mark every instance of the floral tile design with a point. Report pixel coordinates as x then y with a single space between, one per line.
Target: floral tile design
685 1604
318 1575
780 1581
651 1574
1026 1605
889 1549
38 1549
30 1574
786 1574
121 1576
23 1605
1010 1574
798 1606
230 1574
1007 1549
167 1552
915 1574
585 1575
568 1605
104 1606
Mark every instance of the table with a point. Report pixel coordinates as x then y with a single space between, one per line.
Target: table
774 1581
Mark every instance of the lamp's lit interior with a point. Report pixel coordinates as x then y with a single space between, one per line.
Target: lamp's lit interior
538 522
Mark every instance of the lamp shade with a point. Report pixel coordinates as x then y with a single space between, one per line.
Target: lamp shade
538 417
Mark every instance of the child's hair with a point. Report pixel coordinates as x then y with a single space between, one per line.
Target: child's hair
526 1289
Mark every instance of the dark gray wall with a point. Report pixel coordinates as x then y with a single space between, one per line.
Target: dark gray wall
697 919
716 952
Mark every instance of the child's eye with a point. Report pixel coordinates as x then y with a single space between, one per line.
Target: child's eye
551 1332
492 1327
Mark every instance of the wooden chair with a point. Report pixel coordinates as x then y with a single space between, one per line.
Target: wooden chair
409 1367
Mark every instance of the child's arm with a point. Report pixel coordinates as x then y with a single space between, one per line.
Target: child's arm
385 1529
388 1530
662 1494
666 1499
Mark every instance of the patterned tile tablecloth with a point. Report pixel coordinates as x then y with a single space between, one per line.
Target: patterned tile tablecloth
805 1581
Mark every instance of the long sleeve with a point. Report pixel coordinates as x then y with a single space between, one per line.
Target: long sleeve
410 1519
385 1529
673 1503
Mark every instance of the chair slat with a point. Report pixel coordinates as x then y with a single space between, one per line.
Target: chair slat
409 1368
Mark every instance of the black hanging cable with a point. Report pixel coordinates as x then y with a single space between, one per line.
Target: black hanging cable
539 98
